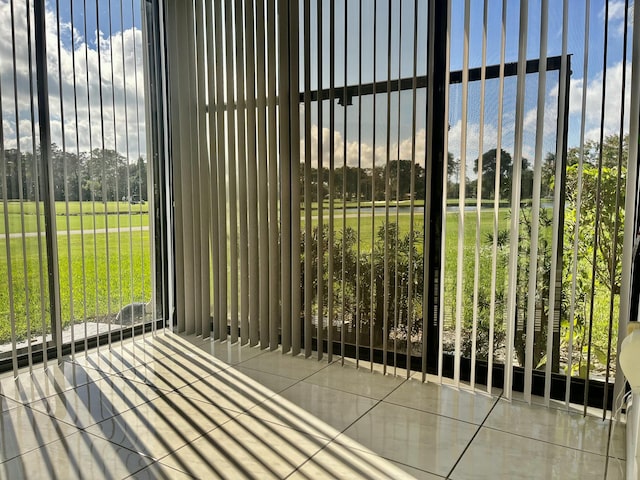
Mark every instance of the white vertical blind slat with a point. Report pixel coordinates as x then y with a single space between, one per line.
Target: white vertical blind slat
532 301
553 320
496 201
515 198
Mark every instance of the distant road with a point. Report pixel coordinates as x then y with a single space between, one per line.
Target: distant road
88 231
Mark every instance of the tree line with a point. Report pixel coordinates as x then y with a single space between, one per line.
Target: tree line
100 175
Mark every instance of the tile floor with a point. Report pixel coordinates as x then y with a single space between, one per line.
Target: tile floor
174 407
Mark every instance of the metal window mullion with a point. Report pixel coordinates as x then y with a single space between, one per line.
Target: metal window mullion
359 186
410 273
242 174
332 126
40 177
202 320
344 189
47 188
553 319
320 195
431 121
263 192
397 288
231 160
372 285
496 201
221 172
387 194
476 271
515 198
462 192
535 207
284 148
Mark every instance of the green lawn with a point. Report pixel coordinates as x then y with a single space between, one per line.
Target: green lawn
128 273
116 212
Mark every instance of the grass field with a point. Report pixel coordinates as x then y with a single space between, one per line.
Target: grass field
94 215
110 280
126 266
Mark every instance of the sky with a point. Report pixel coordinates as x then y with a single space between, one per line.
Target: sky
105 31
402 65
82 42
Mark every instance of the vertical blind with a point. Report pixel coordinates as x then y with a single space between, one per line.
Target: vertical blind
435 186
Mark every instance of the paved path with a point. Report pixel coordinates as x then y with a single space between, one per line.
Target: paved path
88 231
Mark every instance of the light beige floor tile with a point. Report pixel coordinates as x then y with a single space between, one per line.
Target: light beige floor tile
416 473
495 454
359 381
285 365
562 428
426 441
7 404
275 383
97 401
245 447
617 469
78 456
443 400
304 405
228 389
111 362
229 353
23 429
159 471
170 374
162 425
337 461
43 383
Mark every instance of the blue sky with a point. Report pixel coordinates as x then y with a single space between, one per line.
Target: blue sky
114 37
401 65
404 52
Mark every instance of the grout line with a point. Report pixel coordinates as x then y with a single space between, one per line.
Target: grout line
474 435
435 413
550 443
331 440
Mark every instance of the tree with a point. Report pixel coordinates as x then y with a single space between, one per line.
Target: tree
489 160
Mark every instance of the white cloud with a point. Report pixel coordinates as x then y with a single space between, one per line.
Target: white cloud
616 16
116 56
593 104
490 140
